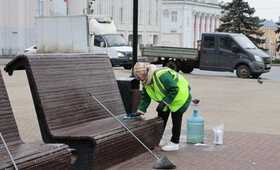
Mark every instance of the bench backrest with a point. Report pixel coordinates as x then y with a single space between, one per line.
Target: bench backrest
63 81
8 126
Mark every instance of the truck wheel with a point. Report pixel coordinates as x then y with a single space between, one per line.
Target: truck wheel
243 71
187 69
173 65
256 75
127 67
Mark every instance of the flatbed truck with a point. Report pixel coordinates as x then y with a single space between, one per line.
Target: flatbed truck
215 52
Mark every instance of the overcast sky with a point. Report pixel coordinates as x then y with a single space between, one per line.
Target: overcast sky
265 9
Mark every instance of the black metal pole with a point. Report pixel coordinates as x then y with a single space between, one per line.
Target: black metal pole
135 34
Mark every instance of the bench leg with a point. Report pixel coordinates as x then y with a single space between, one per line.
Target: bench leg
84 151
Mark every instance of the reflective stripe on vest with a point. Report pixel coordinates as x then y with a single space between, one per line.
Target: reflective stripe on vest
164 70
157 91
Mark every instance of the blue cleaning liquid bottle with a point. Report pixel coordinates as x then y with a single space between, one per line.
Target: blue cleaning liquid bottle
195 128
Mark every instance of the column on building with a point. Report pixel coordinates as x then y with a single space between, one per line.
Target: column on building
217 20
212 23
203 21
208 22
197 28
200 26
215 23
188 28
194 29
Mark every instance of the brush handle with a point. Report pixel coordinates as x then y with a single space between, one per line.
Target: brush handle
123 125
10 155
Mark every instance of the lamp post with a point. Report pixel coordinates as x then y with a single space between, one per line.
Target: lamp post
135 34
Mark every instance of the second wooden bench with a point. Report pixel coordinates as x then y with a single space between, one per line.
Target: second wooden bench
35 155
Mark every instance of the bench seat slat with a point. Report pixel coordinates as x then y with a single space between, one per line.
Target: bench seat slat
50 164
23 151
25 154
90 128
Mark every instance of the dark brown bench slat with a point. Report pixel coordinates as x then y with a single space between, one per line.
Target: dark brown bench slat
106 125
34 151
35 155
50 164
60 84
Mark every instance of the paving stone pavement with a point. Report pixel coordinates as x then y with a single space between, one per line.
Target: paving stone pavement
249 110
240 151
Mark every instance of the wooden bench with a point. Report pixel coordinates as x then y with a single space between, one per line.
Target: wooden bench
35 155
60 84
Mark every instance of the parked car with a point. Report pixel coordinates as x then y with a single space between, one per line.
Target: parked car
31 50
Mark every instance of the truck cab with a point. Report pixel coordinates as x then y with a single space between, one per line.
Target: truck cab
115 46
229 52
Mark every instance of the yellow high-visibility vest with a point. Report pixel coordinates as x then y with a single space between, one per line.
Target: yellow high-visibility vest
157 91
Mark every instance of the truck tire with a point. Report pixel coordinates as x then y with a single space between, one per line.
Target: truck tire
243 71
173 65
187 69
256 75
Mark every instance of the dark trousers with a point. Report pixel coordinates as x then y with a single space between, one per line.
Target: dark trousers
176 122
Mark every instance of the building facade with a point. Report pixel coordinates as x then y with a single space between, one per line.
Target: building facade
183 21
16 26
121 11
271 38
176 23
17 22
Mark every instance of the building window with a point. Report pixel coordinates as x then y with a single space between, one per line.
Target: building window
98 8
140 4
112 12
131 11
98 11
156 18
150 12
111 8
267 42
174 16
121 11
40 8
121 15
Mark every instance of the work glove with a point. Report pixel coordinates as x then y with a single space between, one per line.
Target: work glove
160 107
135 114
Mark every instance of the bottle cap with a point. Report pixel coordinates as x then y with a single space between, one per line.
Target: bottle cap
195 112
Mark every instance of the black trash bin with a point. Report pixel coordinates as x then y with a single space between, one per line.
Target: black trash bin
129 89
